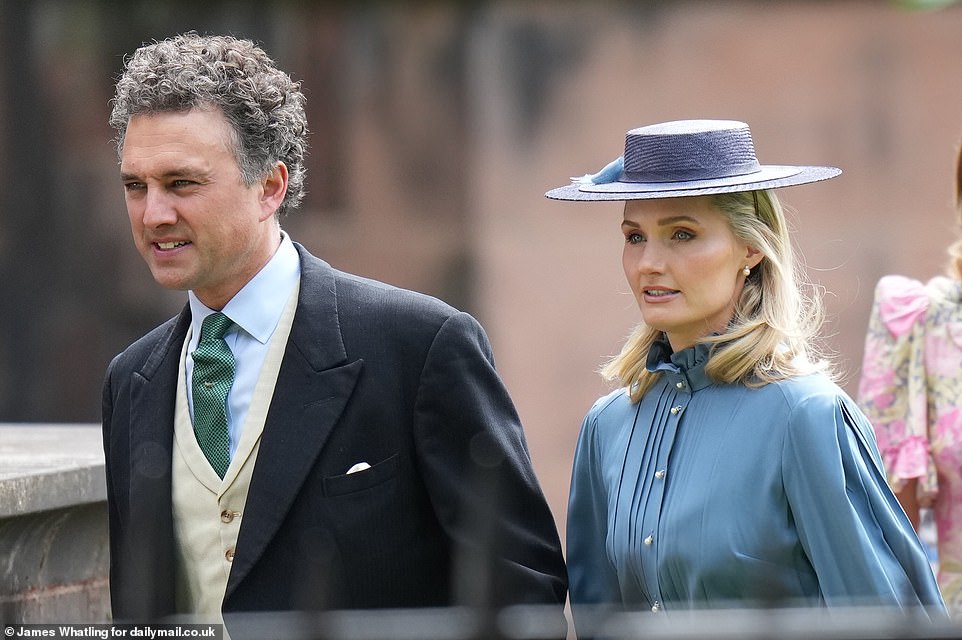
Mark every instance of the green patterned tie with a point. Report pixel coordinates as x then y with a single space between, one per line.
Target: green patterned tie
212 379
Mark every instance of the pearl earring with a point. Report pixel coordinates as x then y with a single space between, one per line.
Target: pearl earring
746 271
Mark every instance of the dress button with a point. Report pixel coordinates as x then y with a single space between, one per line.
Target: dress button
660 474
649 539
676 410
227 515
229 554
680 385
656 607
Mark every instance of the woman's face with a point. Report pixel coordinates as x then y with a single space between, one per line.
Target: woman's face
684 265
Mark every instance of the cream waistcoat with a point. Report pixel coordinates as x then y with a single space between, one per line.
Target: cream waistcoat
207 510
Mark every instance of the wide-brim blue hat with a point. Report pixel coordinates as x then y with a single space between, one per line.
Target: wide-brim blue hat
687 158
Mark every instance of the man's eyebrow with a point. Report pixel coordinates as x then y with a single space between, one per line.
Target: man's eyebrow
172 173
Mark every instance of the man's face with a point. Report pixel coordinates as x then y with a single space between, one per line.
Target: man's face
194 221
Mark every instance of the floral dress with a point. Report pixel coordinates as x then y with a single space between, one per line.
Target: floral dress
911 390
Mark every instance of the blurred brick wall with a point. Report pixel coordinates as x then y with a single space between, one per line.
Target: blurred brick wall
860 85
437 127
547 91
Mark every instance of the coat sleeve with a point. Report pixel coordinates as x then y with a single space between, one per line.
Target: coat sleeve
892 388
859 541
478 472
594 582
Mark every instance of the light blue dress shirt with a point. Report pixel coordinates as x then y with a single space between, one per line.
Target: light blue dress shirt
255 309
717 495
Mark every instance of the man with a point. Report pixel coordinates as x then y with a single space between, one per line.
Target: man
366 454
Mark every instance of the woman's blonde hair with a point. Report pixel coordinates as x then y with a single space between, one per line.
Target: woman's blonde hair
955 251
771 336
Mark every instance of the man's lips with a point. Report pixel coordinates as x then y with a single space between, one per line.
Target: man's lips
168 246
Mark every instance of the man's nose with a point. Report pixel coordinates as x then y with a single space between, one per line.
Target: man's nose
158 210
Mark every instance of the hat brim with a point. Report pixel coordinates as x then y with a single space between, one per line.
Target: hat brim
769 177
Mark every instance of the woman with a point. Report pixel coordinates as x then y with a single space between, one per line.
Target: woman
727 469
911 389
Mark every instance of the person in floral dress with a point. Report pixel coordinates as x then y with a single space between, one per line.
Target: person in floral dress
911 390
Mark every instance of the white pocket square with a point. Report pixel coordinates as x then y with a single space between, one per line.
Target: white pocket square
360 466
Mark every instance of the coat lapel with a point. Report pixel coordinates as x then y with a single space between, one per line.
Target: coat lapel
152 419
151 437
313 387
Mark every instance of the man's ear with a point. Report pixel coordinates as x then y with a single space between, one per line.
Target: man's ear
273 189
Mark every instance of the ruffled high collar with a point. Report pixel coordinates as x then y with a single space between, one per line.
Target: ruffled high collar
687 365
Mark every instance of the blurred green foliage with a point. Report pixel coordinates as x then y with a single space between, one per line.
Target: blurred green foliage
923 5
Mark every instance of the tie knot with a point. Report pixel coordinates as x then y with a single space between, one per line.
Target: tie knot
215 326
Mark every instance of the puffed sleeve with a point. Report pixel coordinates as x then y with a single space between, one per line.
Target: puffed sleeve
856 536
591 577
892 390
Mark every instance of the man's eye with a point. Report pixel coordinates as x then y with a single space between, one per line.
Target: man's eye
133 186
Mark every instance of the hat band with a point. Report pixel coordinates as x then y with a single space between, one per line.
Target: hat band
696 173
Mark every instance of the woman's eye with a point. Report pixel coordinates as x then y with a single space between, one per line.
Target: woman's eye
681 234
633 238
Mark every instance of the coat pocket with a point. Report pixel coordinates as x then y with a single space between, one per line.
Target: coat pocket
359 481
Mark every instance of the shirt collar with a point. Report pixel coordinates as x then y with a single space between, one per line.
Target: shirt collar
257 307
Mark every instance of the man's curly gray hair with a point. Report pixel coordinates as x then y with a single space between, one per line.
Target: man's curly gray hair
264 107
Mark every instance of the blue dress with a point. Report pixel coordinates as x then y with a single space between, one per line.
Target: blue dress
707 495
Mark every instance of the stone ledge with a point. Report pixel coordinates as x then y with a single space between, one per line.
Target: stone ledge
46 466
53 524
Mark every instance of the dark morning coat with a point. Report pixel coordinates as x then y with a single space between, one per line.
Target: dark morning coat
449 513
